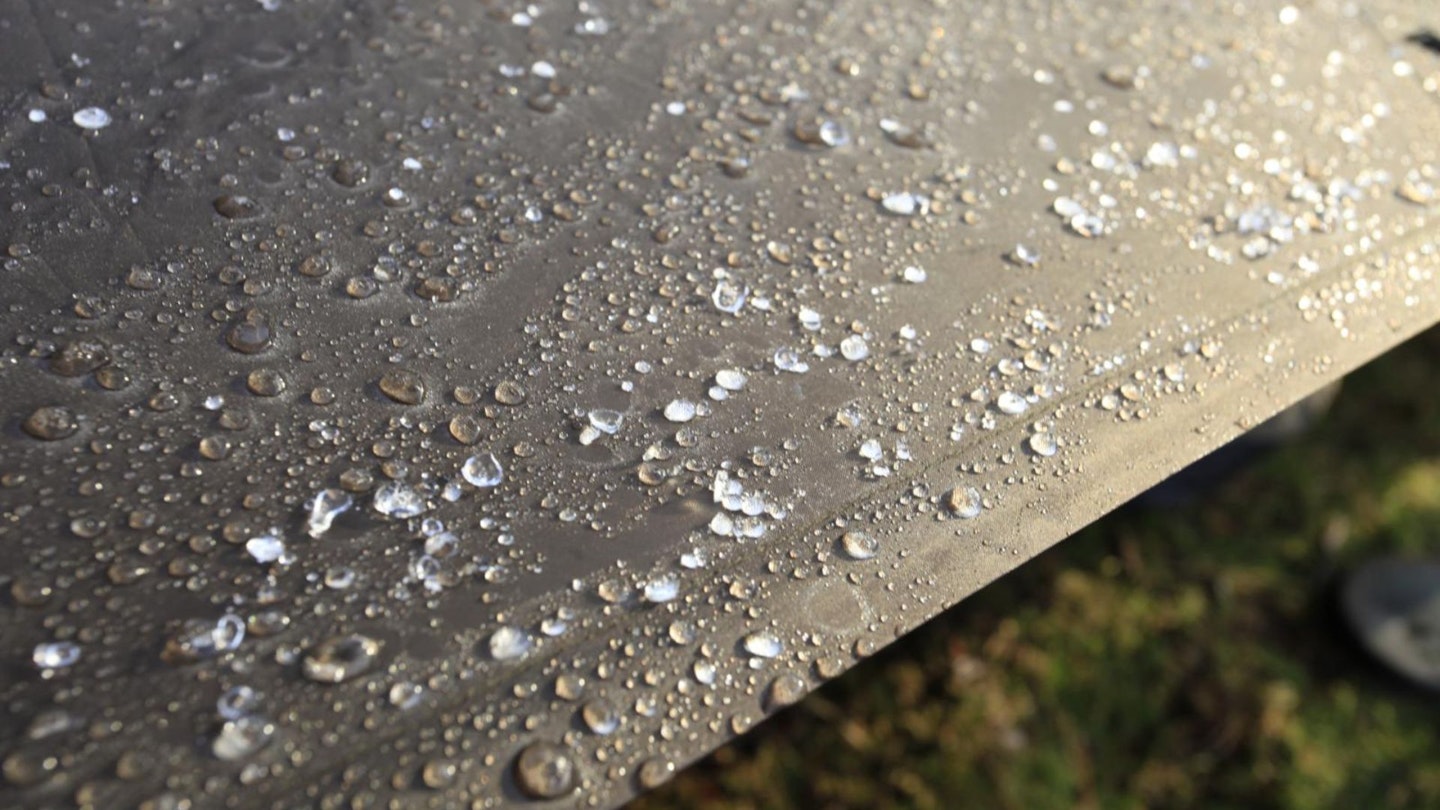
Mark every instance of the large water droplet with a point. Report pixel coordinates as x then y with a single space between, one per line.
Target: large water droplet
544 771
600 716
483 470
237 702
251 334
729 295
91 118
51 423
396 500
762 643
327 505
605 420
402 386
55 654
963 501
662 589
731 379
680 410
242 738
786 689
340 658
859 545
266 549
510 643
854 348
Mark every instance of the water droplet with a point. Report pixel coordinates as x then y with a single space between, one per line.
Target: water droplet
821 132
237 702
236 206
600 716
509 392
729 295
787 359
51 423
91 118
482 470
510 643
810 320
569 686
544 771
402 386
1025 255
605 420
242 738
327 505
79 357
1044 444
854 348
350 173
731 379
265 382
1011 403
662 589
905 135
786 689
340 658
266 549
55 654
396 500
439 774
859 545
406 695
905 204
762 644
654 772
251 334
680 410
963 501
198 639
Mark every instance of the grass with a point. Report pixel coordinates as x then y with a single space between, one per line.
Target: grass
1186 657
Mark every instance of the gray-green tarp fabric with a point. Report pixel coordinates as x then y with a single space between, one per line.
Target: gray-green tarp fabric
439 404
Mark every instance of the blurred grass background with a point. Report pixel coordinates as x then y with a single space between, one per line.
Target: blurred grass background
1183 657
